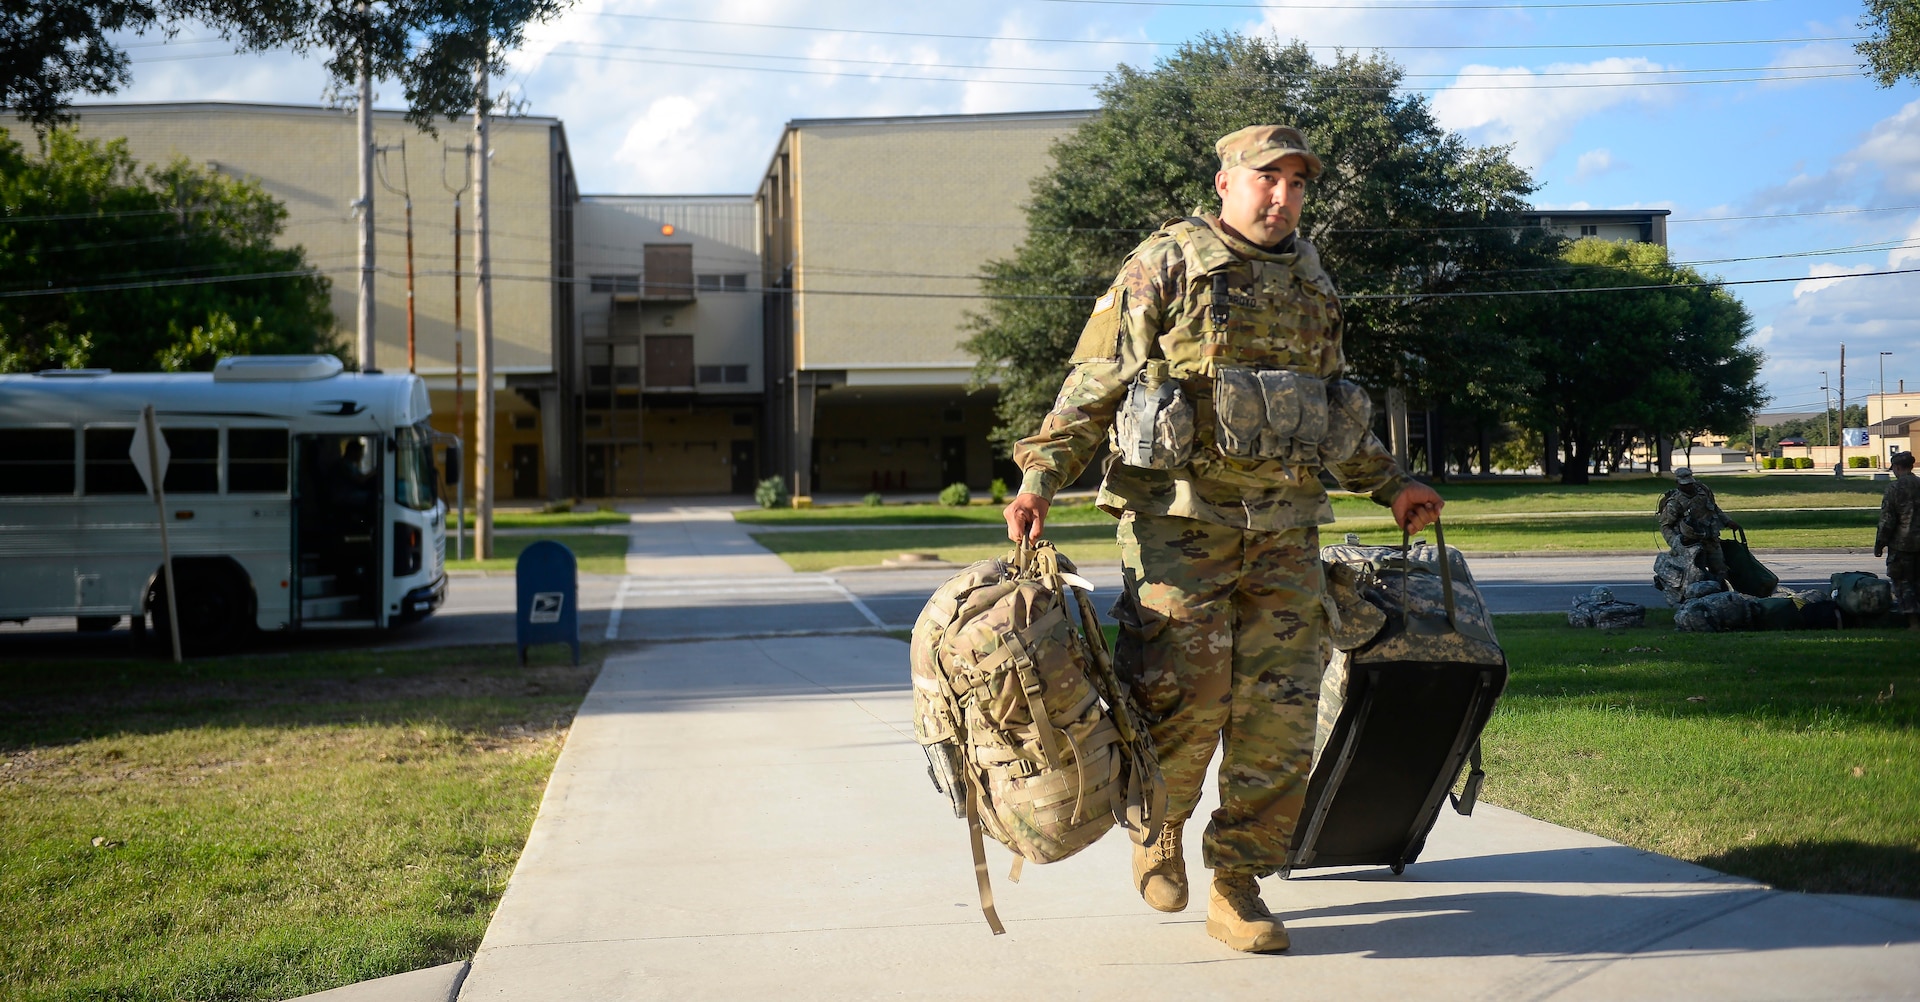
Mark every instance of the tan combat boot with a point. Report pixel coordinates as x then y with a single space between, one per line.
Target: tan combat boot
1237 917
1159 873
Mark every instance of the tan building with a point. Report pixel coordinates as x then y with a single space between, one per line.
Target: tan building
671 372
873 233
1893 423
304 157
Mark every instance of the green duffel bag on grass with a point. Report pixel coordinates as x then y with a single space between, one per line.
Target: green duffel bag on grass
1779 614
1745 572
1862 596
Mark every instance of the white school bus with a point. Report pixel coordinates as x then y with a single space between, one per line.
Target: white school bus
298 496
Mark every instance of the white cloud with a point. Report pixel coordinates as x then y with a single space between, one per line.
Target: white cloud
1594 163
1513 105
1893 148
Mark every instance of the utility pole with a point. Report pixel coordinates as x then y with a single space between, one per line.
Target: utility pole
405 191
1827 391
1840 468
459 364
364 345
482 324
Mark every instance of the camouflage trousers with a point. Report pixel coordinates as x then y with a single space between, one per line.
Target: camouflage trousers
1903 568
1221 641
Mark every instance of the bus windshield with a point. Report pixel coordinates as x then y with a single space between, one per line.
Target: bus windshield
413 472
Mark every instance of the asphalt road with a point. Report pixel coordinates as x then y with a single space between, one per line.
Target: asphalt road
479 608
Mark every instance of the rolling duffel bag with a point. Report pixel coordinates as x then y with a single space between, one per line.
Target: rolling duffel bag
1863 597
1745 572
1412 681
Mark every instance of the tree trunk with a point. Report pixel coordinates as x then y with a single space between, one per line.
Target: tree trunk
1579 465
1486 450
1550 463
1663 450
1437 444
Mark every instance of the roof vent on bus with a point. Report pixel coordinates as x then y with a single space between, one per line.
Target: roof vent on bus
275 368
72 373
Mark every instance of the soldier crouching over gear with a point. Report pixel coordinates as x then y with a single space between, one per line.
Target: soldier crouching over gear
1690 517
1899 537
1213 364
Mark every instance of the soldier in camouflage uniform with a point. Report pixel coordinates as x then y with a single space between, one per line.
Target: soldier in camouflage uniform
1899 537
1691 517
1222 619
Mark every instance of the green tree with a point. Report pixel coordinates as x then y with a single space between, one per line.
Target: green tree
1607 356
1892 48
51 50
109 263
1404 210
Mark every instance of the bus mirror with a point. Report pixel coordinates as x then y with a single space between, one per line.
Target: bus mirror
453 464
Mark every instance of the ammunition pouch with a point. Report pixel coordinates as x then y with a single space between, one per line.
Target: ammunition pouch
1153 429
1288 416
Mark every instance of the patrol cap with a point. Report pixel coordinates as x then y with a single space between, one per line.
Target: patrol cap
1683 475
1904 459
1259 146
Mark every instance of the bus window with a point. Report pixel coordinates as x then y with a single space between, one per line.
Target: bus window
413 473
193 466
36 460
256 461
109 466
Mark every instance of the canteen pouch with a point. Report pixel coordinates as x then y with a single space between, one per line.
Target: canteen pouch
1269 414
1153 429
1349 416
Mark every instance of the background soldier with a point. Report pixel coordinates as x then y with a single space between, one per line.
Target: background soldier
1899 537
1222 626
1690 517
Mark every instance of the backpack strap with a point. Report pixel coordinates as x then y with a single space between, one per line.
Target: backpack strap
1012 650
1464 800
980 877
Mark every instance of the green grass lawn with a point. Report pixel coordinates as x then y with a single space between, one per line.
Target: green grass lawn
552 519
268 826
1094 542
982 512
1792 758
596 553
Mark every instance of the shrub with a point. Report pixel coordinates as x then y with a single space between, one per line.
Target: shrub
1859 462
955 495
1769 462
1803 462
873 499
771 493
998 491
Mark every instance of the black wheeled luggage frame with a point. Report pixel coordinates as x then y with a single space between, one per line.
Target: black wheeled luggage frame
1404 733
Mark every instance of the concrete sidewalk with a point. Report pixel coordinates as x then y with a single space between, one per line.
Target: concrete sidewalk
742 819
695 539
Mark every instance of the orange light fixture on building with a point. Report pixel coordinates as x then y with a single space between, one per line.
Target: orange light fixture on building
666 229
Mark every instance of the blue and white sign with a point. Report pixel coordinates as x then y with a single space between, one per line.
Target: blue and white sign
1856 437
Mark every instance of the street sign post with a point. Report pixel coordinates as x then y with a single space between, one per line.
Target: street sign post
547 606
150 456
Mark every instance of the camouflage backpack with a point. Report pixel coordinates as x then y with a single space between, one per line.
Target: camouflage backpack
1026 729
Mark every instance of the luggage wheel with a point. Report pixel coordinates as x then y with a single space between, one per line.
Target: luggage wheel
1399 868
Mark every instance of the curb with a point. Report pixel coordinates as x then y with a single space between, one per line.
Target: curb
429 984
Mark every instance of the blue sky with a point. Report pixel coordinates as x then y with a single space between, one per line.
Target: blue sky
673 96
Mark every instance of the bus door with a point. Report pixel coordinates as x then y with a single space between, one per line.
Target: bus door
337 506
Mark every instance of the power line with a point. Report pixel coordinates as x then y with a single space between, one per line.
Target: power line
910 64
1403 6
170 282
1139 42
796 71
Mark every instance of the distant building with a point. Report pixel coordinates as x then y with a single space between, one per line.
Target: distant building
873 232
304 157
1646 226
1893 423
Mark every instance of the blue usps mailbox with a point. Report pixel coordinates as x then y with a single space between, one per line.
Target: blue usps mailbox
547 582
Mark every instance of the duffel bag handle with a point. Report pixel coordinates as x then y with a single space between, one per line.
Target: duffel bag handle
1446 570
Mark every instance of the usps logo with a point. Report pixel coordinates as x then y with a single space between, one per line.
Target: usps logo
546 606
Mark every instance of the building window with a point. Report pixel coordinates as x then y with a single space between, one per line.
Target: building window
669 271
1589 230
617 284
523 422
717 283
723 374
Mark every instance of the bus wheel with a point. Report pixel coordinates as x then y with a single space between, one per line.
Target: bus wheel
214 617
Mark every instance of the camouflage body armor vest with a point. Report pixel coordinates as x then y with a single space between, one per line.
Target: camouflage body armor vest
1235 382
